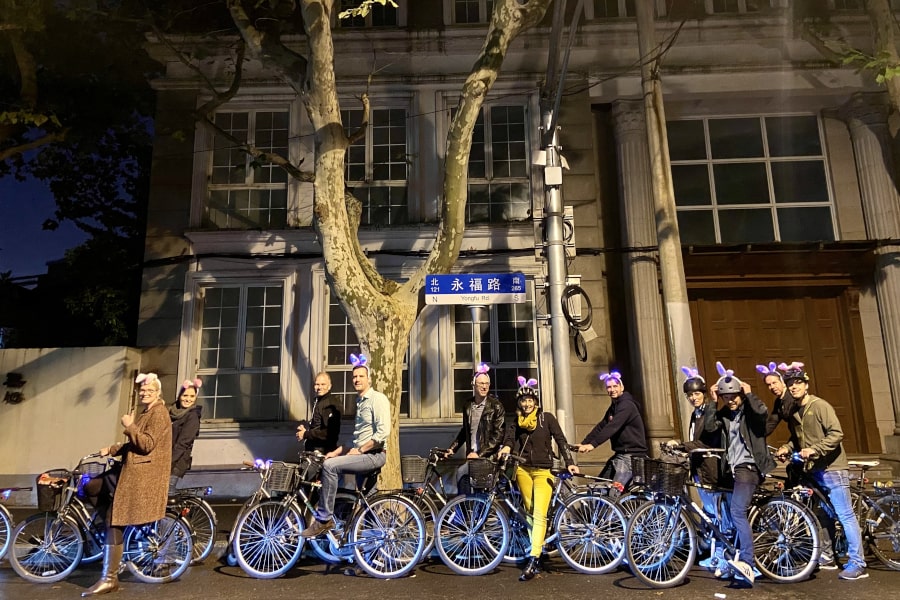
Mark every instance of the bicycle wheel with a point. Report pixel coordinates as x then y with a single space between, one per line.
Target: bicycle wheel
629 503
785 540
471 535
519 547
388 537
6 527
883 525
45 548
344 504
203 521
267 540
158 552
591 532
429 510
661 544
94 540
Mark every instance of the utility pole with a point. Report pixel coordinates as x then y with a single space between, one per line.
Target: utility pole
676 311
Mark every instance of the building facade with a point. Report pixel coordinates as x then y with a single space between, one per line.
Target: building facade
787 211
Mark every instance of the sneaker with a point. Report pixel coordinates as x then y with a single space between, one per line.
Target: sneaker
852 572
709 563
743 570
828 565
317 528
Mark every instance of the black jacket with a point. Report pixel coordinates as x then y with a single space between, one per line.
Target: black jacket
753 431
706 468
622 425
536 446
184 431
323 432
490 427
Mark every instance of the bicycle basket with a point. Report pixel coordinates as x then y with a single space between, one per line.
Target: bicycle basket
94 467
51 487
413 468
281 477
664 478
481 473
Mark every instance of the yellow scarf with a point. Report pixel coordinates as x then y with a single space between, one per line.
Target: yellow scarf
528 422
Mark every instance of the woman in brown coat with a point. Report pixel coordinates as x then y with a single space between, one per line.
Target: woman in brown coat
139 496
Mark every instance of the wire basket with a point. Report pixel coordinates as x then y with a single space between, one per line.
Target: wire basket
413 468
663 477
51 487
94 468
481 473
282 477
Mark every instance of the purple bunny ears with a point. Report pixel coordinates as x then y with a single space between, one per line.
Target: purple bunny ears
725 373
769 369
526 388
482 369
614 375
360 361
692 373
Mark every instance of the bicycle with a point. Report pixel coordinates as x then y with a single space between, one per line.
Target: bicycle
877 509
429 494
48 546
384 534
474 533
6 520
662 535
190 504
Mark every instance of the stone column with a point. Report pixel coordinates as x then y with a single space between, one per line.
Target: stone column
866 116
644 301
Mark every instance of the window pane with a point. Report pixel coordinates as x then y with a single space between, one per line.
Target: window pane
799 181
696 227
686 140
735 138
742 183
805 224
691 183
793 136
746 226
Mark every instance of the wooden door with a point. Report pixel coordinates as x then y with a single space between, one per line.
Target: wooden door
742 332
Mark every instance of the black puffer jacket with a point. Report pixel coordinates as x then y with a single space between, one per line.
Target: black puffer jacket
185 428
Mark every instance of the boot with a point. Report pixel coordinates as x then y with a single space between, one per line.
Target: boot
531 568
109 581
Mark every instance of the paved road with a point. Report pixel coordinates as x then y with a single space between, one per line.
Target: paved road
433 580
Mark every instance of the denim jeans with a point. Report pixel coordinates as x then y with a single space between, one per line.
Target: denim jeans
745 482
837 484
720 511
333 470
618 468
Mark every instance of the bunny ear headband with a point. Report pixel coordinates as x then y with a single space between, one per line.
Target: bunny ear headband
614 375
769 369
481 369
146 378
794 366
692 373
196 383
725 373
360 361
527 388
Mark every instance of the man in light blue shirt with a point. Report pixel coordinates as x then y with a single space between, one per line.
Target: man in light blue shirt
370 432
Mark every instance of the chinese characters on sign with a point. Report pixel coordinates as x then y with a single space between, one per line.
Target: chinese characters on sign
481 288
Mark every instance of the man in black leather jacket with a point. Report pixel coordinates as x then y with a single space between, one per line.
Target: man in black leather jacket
323 432
483 424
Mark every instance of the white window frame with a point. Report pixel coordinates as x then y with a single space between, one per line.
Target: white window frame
189 352
591 13
203 148
766 159
484 16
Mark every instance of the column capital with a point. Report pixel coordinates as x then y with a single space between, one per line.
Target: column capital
865 109
628 117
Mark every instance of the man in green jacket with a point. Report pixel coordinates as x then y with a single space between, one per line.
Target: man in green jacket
819 435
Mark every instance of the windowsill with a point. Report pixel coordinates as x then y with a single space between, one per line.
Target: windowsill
407 238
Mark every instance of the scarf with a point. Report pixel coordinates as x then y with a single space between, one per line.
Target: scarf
176 412
529 422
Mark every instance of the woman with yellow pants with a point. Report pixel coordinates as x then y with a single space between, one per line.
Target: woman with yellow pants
532 437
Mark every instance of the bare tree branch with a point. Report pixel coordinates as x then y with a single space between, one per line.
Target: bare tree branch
50 138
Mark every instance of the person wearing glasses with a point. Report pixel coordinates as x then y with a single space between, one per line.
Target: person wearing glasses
482 428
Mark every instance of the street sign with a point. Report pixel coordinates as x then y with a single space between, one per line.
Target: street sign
479 288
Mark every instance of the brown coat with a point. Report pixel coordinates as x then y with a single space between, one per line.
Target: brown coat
147 460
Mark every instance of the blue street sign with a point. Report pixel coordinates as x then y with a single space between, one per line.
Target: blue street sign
479 288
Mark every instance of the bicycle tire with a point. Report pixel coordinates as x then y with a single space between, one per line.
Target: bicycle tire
6 527
883 526
45 548
204 525
786 541
267 540
94 540
344 505
591 532
471 535
388 537
519 547
631 502
661 544
158 552
429 510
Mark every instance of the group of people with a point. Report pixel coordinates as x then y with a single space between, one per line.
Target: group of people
731 417
727 416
